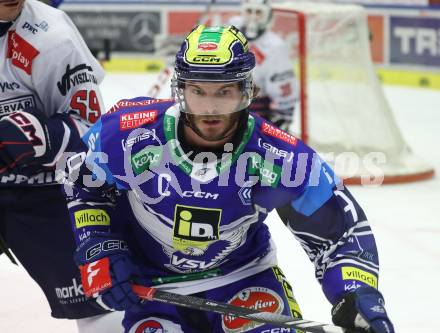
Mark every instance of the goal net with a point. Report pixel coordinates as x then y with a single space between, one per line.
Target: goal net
344 114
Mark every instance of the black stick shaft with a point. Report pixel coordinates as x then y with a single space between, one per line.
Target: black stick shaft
232 310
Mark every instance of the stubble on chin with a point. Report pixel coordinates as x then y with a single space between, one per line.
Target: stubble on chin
10 14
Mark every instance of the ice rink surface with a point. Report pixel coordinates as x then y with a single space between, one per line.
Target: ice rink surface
405 219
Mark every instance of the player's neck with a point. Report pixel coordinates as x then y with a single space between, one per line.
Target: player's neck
4 27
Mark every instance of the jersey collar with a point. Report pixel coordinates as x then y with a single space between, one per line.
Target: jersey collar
203 172
4 27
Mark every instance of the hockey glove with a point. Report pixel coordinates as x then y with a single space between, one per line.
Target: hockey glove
362 311
29 138
107 271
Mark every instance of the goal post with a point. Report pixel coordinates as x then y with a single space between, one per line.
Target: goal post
344 113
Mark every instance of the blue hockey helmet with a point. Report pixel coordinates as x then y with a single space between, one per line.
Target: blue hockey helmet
214 54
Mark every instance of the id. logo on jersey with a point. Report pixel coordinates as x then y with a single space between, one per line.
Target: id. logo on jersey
21 53
195 226
255 298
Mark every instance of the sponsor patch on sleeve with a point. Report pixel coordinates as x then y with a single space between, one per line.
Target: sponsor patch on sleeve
20 52
136 119
271 130
353 273
89 217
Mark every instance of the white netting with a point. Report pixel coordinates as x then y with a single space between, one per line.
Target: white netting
346 110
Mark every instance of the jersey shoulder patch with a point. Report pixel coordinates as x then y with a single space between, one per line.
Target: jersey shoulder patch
134 120
21 52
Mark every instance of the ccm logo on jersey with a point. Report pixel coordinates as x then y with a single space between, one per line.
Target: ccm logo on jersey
135 119
20 52
255 298
271 130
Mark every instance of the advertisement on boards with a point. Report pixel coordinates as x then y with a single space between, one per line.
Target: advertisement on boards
415 40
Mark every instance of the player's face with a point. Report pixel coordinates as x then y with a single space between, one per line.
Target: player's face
253 14
10 9
212 107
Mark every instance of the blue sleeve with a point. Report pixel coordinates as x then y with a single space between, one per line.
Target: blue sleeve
90 190
333 230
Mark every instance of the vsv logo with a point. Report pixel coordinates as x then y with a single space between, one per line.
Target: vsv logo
185 263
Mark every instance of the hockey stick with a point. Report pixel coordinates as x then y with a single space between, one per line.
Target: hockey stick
153 294
167 71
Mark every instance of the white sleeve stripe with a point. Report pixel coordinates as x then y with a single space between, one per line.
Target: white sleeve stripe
63 147
340 256
363 233
353 262
88 203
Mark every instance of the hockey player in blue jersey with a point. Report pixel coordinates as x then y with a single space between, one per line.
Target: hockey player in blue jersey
201 175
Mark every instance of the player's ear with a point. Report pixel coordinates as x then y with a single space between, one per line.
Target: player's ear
255 91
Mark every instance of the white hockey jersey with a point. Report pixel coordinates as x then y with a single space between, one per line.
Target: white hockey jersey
273 73
45 63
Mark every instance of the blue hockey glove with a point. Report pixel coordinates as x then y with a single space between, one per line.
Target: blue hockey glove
107 271
29 138
362 311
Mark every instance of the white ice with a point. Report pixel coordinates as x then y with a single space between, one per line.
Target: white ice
405 219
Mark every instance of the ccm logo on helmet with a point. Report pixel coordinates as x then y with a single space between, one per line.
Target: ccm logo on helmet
207 59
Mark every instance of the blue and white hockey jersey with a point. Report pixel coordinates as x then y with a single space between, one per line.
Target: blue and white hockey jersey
199 217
